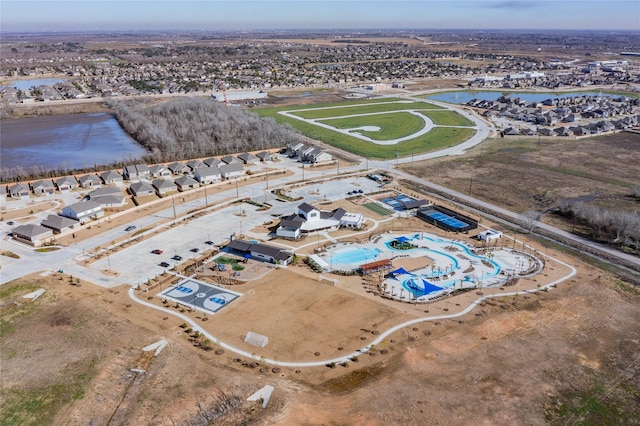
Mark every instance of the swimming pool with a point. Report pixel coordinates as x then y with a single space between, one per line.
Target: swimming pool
355 255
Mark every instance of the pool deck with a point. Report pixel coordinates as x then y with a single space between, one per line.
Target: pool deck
449 265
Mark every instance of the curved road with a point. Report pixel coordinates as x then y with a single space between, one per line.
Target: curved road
483 130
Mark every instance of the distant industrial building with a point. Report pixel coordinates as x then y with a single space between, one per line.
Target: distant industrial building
238 96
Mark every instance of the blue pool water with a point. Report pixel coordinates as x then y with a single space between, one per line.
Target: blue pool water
355 255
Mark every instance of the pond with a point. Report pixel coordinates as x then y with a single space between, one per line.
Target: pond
465 96
36 82
70 141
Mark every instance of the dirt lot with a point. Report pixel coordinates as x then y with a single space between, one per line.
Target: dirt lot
561 356
536 175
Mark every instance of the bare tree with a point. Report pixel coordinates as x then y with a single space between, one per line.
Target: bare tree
531 218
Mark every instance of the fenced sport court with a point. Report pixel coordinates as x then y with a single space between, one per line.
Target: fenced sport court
199 295
446 219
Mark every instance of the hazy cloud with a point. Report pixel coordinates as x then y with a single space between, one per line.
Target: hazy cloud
512 5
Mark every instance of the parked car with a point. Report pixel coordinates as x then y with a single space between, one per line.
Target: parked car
176 257
10 222
156 251
164 264
209 243
130 228
195 250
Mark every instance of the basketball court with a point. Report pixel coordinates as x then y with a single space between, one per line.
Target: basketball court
199 295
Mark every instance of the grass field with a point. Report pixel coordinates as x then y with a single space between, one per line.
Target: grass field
447 118
392 126
341 110
377 208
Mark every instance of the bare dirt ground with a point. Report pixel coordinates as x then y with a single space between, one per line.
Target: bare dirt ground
564 356
537 175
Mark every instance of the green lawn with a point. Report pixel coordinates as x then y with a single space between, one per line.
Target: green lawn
392 126
340 110
437 138
447 118
377 208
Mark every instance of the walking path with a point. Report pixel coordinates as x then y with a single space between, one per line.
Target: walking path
349 357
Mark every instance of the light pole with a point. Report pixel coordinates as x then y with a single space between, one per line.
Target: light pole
237 187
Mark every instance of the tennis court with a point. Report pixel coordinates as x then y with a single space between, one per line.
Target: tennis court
199 295
398 202
446 219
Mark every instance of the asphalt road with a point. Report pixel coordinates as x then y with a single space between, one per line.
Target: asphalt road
136 263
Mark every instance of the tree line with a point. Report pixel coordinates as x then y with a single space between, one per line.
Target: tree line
196 127
617 227
179 129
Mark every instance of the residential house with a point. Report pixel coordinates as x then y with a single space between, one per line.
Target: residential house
136 172
248 158
59 223
159 171
194 165
43 187
185 183
318 156
265 156
212 162
140 189
35 235
111 177
164 186
510 131
178 168
206 175
231 171
89 181
83 211
292 149
230 159
19 190
107 197
66 183
545 131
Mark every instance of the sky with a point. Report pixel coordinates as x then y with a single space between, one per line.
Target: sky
115 15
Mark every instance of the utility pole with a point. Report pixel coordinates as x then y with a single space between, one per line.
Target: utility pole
173 202
206 202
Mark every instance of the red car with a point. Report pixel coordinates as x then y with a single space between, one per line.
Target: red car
157 251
